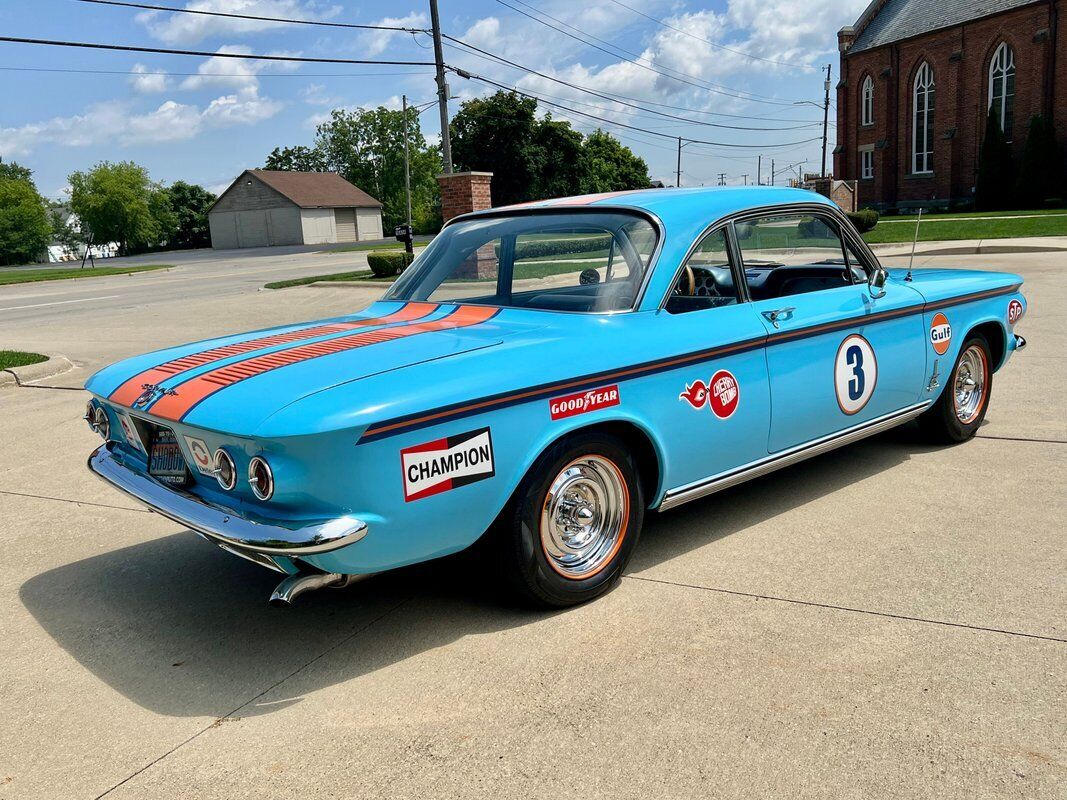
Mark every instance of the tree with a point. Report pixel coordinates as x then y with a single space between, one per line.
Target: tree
609 166
296 159
995 187
1041 171
558 159
24 228
16 171
120 203
189 203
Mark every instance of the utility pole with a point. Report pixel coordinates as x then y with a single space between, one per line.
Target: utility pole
825 117
678 171
759 170
407 162
442 88
745 176
772 172
722 179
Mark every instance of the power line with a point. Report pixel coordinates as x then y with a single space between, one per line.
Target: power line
205 54
708 41
505 87
639 58
171 9
129 73
642 66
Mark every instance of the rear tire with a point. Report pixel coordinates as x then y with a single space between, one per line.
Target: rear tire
958 413
573 523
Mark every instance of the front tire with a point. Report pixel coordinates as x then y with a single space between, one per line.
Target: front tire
573 522
958 413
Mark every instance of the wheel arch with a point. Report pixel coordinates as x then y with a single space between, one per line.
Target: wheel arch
996 335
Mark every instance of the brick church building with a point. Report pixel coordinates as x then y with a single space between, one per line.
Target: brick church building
918 78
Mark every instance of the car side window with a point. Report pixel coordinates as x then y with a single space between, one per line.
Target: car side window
707 279
791 254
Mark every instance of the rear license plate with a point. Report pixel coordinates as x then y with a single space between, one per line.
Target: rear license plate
165 459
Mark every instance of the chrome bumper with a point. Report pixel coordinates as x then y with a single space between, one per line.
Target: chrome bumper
226 528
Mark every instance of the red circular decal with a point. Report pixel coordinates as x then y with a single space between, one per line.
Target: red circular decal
1015 311
940 334
724 394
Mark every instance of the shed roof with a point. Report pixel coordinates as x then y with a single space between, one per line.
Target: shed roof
887 21
313 189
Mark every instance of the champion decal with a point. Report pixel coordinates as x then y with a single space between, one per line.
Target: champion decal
572 405
132 391
940 334
446 464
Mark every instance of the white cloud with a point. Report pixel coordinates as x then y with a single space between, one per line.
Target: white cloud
146 82
235 73
192 28
376 42
171 122
244 108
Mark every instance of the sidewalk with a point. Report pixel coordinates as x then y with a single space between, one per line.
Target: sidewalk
962 247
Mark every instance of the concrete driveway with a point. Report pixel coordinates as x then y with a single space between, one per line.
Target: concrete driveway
884 621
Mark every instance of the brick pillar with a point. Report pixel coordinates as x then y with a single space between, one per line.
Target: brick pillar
461 193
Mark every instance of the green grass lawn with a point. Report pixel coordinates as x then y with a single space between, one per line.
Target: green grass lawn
15 358
945 228
1041 212
31 275
362 275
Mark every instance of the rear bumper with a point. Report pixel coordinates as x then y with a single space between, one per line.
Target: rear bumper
258 541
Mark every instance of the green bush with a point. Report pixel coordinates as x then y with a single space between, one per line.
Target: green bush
540 248
864 220
385 263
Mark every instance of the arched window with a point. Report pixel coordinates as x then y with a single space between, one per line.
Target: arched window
867 101
922 140
1002 88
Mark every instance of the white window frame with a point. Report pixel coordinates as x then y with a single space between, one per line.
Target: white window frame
867 163
922 112
867 101
1001 68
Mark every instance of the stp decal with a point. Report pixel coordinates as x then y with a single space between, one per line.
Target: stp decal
572 405
940 334
446 464
855 374
201 455
722 394
1015 312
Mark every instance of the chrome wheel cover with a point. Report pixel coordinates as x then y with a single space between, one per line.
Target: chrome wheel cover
969 384
584 517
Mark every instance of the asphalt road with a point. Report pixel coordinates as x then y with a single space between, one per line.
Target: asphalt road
884 621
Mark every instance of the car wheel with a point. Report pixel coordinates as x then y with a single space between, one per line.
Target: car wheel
573 522
959 411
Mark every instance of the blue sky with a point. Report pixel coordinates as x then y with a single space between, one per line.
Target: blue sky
205 120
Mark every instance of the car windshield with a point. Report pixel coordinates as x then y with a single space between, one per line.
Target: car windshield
584 262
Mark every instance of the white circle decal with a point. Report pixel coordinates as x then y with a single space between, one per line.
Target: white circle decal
855 374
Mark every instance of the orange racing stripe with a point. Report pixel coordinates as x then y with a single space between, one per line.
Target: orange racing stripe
132 388
188 394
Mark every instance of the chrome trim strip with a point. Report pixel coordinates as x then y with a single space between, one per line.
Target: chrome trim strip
724 480
222 525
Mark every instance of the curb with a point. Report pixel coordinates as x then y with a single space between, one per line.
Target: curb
55 365
980 249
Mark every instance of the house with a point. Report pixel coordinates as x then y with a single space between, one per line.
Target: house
918 79
265 208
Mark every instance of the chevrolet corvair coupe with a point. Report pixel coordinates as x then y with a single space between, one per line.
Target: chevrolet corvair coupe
543 376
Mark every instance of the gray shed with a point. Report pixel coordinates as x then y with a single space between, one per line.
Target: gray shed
265 208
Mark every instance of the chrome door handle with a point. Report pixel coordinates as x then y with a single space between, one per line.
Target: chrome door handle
777 314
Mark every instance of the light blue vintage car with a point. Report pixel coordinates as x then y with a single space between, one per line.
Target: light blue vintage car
545 375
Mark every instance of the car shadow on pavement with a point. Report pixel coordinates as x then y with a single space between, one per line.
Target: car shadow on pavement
182 629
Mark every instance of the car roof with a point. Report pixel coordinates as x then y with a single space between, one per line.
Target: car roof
679 206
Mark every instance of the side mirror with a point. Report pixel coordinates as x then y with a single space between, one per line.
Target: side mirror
876 283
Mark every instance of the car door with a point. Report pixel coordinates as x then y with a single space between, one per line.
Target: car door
713 413
837 355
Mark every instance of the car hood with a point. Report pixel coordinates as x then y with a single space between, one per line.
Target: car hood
233 384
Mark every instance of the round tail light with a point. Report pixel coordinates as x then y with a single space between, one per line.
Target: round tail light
225 471
90 416
260 478
102 423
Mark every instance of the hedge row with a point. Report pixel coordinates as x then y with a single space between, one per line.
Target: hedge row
385 263
539 248
864 220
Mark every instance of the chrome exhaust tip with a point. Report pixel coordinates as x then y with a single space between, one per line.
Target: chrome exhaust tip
295 585
1020 343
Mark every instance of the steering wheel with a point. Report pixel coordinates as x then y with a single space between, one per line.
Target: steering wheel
687 283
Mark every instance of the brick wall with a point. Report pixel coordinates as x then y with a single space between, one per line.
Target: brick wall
463 192
960 58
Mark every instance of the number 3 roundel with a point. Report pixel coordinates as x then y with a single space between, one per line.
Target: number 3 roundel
855 374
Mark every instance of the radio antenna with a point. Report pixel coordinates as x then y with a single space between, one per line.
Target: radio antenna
914 242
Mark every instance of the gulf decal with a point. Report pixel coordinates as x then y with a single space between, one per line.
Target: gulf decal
133 388
722 394
1015 312
446 464
185 395
940 334
571 405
